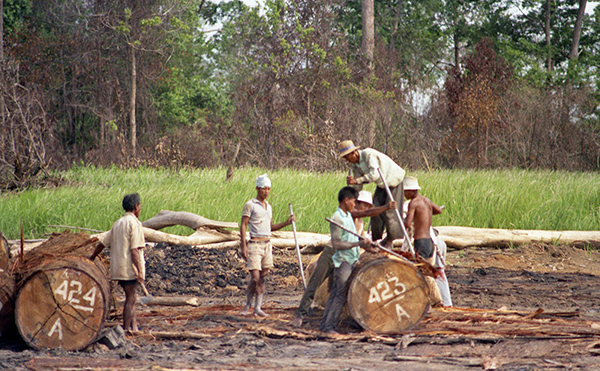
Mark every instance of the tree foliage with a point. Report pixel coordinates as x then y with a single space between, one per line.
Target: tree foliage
457 83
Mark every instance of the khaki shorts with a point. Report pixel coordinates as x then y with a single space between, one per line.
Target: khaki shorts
260 255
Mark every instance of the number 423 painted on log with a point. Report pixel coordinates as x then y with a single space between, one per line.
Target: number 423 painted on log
383 292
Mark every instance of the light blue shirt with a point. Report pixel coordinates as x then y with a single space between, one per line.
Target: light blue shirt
350 255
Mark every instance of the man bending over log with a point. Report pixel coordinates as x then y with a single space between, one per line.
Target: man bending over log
126 243
258 252
364 165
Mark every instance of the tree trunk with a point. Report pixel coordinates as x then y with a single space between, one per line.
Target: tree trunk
395 25
547 33
166 218
577 31
463 237
368 30
132 123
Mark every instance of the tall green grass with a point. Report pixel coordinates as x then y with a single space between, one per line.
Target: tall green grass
491 199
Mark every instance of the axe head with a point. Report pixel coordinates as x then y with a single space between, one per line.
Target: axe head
146 299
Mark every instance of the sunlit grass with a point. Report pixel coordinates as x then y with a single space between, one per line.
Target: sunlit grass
512 199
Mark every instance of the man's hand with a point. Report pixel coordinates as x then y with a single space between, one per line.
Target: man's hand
392 205
350 180
245 251
365 243
291 219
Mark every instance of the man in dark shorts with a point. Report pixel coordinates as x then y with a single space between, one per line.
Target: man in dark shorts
419 216
126 243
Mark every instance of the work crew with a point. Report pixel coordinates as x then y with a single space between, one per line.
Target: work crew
365 163
257 216
324 268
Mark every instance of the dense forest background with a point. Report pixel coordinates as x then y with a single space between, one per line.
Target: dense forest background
433 83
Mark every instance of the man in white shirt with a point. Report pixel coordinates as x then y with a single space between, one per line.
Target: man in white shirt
365 163
257 216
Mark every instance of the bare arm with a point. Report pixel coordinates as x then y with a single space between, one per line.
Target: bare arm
435 209
374 211
278 226
136 258
243 229
410 215
99 247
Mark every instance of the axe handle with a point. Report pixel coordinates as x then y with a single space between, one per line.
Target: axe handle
144 289
362 238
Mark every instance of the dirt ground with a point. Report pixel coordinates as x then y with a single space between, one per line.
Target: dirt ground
533 307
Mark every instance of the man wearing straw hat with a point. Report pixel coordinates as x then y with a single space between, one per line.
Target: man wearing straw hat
257 216
365 163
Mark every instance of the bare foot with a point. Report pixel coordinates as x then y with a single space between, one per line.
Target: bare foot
297 322
245 310
259 312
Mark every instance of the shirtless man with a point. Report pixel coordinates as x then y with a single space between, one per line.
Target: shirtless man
419 215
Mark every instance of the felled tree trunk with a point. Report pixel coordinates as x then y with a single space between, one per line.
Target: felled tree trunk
462 237
166 218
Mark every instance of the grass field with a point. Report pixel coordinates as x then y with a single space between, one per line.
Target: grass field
492 199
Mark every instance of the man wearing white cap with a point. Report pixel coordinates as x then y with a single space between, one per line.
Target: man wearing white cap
257 216
365 163
419 216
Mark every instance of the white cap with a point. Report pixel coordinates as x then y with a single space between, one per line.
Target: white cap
263 181
365 196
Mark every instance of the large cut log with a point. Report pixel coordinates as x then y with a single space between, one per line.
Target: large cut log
63 304
462 237
167 218
387 294
7 299
62 297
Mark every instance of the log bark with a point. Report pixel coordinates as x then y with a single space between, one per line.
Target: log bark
4 253
166 218
463 237
7 302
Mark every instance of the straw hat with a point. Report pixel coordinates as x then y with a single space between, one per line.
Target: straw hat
345 147
365 196
410 183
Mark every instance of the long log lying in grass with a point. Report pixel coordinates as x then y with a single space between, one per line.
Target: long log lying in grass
462 237
167 218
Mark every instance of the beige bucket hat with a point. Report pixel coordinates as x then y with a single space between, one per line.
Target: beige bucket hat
410 183
345 147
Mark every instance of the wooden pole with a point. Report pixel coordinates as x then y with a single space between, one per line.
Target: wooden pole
387 189
297 248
